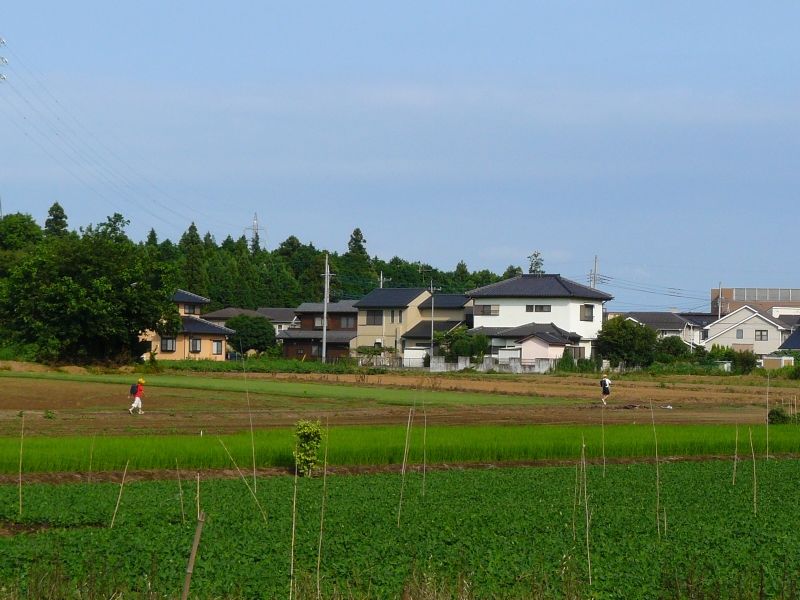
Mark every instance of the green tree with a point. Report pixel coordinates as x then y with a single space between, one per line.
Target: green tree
56 223
622 340
19 233
354 268
90 297
512 271
536 263
670 349
193 274
252 333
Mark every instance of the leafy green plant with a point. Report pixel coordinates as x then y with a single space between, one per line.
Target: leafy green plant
49 414
778 416
308 439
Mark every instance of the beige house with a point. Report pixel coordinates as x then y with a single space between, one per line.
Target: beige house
747 328
198 339
385 314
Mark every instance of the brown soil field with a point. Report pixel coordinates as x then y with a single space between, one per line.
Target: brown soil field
57 407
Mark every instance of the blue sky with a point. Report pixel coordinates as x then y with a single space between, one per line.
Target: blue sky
663 138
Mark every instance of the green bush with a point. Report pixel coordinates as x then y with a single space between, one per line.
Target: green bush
778 416
308 439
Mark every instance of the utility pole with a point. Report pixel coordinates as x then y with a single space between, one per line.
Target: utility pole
594 272
433 303
719 302
382 279
325 310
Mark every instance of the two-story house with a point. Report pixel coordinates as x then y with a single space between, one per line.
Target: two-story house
198 337
385 314
571 312
305 342
439 313
748 328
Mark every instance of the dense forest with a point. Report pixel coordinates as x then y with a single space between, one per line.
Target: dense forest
89 292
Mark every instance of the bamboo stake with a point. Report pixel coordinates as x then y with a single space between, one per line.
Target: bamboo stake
735 455
263 514
575 496
294 525
121 486
322 509
767 415
658 473
603 435
21 440
586 507
424 445
91 456
201 518
180 492
249 414
403 469
753 452
197 496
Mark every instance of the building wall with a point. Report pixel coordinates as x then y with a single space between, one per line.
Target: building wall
304 350
564 312
763 299
533 348
183 345
748 340
390 331
307 322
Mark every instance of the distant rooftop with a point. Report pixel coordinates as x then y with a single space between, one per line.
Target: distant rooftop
538 286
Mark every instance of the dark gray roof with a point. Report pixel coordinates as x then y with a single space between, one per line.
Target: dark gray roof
198 325
538 286
345 306
389 298
277 315
790 321
185 297
659 320
422 330
337 336
792 342
699 319
224 314
445 301
548 332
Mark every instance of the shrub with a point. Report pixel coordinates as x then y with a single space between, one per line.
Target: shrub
778 416
566 364
308 439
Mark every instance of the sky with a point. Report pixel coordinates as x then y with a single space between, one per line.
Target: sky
663 138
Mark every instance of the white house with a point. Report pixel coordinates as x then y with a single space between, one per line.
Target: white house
748 329
572 312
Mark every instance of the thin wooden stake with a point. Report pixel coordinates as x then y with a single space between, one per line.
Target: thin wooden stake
249 414
180 492
187 582
424 445
294 526
121 486
665 522
586 507
658 473
753 452
403 469
263 514
735 455
767 415
603 435
197 496
91 456
575 497
21 440
322 509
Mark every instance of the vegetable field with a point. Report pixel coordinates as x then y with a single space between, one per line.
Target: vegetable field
684 531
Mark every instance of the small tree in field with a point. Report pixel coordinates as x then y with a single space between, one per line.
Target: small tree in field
308 439
252 333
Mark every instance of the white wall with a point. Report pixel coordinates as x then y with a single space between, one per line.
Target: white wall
564 312
749 327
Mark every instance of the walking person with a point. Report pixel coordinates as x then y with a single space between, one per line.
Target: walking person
605 385
137 397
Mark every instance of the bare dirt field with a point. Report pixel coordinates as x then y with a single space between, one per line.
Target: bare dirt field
58 407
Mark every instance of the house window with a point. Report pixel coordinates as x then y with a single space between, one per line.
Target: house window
315 350
216 347
704 334
348 322
762 335
529 308
400 316
487 310
542 308
391 317
168 344
374 317
318 321
587 312
194 345
189 309
740 334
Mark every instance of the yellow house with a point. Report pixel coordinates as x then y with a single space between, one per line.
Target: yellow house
198 338
385 314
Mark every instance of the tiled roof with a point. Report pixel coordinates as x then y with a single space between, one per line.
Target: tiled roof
344 306
445 301
224 314
792 342
185 297
422 330
198 325
538 286
659 320
277 315
699 319
337 336
547 332
389 298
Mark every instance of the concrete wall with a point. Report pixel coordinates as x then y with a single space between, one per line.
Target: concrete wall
564 312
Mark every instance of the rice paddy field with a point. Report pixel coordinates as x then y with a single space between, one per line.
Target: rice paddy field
510 488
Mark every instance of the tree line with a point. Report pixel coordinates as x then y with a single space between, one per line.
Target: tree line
87 294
